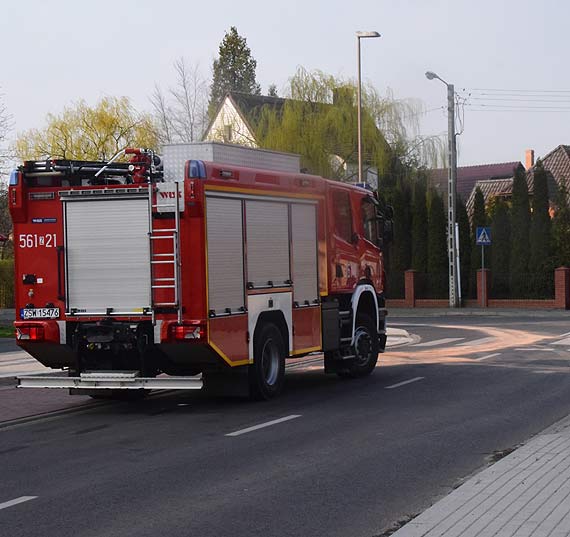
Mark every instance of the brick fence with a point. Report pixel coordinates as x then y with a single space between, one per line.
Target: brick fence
561 294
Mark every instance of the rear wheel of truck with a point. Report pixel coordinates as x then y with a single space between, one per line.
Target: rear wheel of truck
267 372
366 349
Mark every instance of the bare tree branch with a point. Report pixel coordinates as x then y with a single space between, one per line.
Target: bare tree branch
183 118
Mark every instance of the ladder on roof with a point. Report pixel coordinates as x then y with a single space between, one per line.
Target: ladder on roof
164 247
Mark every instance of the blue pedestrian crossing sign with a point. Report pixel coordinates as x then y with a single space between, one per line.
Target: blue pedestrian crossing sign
483 236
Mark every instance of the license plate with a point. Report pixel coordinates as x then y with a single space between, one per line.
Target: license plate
39 313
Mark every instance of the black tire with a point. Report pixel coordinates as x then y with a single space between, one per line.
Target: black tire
366 349
267 373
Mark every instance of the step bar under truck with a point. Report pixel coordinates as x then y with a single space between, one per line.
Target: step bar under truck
104 380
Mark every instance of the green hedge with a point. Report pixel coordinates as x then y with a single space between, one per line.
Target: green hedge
6 283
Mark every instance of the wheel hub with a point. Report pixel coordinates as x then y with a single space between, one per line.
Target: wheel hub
362 345
270 362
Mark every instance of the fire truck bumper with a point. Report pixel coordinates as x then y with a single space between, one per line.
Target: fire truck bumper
116 380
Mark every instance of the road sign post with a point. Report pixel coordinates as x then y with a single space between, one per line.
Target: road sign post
483 238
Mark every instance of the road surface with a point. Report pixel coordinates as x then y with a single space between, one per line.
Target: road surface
330 457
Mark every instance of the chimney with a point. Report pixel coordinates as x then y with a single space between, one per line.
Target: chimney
529 159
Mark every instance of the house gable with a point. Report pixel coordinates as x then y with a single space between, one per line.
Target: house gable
230 126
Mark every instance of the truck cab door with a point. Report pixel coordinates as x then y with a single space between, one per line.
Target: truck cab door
343 240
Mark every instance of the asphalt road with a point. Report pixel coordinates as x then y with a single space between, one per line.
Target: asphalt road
346 458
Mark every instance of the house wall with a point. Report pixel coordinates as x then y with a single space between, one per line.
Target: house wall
229 127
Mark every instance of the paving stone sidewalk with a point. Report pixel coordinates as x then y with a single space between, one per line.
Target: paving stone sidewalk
526 494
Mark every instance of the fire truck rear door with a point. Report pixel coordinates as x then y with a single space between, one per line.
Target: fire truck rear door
107 254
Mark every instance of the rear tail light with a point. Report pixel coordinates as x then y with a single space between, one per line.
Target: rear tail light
188 332
32 333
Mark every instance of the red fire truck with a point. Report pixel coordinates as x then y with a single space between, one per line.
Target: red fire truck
212 262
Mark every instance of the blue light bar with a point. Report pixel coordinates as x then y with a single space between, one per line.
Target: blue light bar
196 169
14 176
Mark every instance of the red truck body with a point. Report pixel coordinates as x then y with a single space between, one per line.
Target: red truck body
227 267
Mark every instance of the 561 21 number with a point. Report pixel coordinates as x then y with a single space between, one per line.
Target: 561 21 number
33 240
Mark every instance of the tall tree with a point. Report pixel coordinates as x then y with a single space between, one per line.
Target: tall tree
233 70
464 247
561 227
437 248
181 111
500 248
540 236
419 226
5 125
400 249
82 132
479 219
520 225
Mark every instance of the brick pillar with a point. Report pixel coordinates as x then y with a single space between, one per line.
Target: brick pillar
562 287
483 302
410 288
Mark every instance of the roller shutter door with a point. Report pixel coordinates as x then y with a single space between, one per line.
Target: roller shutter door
225 254
267 243
304 239
107 255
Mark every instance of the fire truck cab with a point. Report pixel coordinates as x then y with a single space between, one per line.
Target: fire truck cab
212 262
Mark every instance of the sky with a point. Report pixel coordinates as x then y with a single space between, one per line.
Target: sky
506 58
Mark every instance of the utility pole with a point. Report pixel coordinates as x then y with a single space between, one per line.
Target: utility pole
453 259
452 198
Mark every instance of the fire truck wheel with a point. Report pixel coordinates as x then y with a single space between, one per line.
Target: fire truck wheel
366 348
267 372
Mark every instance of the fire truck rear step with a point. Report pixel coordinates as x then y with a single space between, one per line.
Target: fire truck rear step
103 380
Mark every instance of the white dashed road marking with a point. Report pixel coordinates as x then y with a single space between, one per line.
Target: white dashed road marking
16 501
403 383
263 425
438 342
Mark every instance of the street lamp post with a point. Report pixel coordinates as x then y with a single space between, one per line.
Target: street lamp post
451 192
359 36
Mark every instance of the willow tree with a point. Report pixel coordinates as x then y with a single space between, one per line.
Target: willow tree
318 120
82 132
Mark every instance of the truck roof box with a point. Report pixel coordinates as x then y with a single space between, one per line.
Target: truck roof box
175 157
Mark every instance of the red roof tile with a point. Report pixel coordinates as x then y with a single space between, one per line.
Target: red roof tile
467 176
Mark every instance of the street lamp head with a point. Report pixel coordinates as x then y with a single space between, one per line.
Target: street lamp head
430 75
367 34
